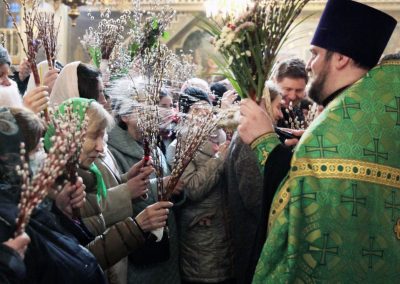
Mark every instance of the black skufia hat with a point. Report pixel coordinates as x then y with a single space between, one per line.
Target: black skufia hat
355 30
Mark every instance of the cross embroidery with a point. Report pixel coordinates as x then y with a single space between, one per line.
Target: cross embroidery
393 205
395 110
302 196
325 250
346 106
376 154
320 148
354 200
371 252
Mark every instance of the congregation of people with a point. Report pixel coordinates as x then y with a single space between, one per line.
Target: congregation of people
282 199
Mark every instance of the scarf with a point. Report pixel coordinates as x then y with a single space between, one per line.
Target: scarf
79 106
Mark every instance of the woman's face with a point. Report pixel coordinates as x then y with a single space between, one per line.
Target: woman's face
132 124
101 98
4 70
92 147
165 102
276 106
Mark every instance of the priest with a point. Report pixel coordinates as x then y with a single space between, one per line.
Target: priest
336 214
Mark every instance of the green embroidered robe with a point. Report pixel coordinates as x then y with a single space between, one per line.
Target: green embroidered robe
336 216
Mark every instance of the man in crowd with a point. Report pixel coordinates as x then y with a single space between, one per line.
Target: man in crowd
291 78
335 217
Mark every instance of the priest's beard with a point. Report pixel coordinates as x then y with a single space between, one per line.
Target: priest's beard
317 85
9 96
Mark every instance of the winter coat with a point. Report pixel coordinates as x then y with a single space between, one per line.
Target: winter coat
117 207
12 267
53 255
112 245
243 188
127 152
205 245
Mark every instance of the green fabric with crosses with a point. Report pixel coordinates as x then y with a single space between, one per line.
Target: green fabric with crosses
336 216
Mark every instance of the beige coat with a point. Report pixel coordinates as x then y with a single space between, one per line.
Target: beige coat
205 245
120 238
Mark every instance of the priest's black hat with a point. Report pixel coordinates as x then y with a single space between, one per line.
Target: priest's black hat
355 30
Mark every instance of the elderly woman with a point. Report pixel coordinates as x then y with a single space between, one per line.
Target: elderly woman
98 196
125 142
80 80
129 233
54 255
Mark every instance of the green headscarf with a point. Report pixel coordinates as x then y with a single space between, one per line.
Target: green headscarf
79 106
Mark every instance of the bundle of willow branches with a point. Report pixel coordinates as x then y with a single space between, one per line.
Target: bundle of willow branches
67 130
250 42
48 34
192 131
29 18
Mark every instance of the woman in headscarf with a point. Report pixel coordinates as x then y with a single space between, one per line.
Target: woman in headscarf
54 255
125 142
81 80
124 236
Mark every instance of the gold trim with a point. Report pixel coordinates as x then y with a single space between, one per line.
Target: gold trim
260 139
389 62
335 169
347 169
279 203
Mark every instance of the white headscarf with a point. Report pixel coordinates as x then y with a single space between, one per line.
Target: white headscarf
66 85
9 96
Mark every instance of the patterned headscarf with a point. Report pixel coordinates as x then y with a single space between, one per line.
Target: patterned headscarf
80 106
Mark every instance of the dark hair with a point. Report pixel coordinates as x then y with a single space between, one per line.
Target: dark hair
190 96
88 81
218 89
329 53
293 68
305 104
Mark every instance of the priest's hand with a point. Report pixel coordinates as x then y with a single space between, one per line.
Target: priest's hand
254 121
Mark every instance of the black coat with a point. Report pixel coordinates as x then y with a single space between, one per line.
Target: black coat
53 256
12 267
